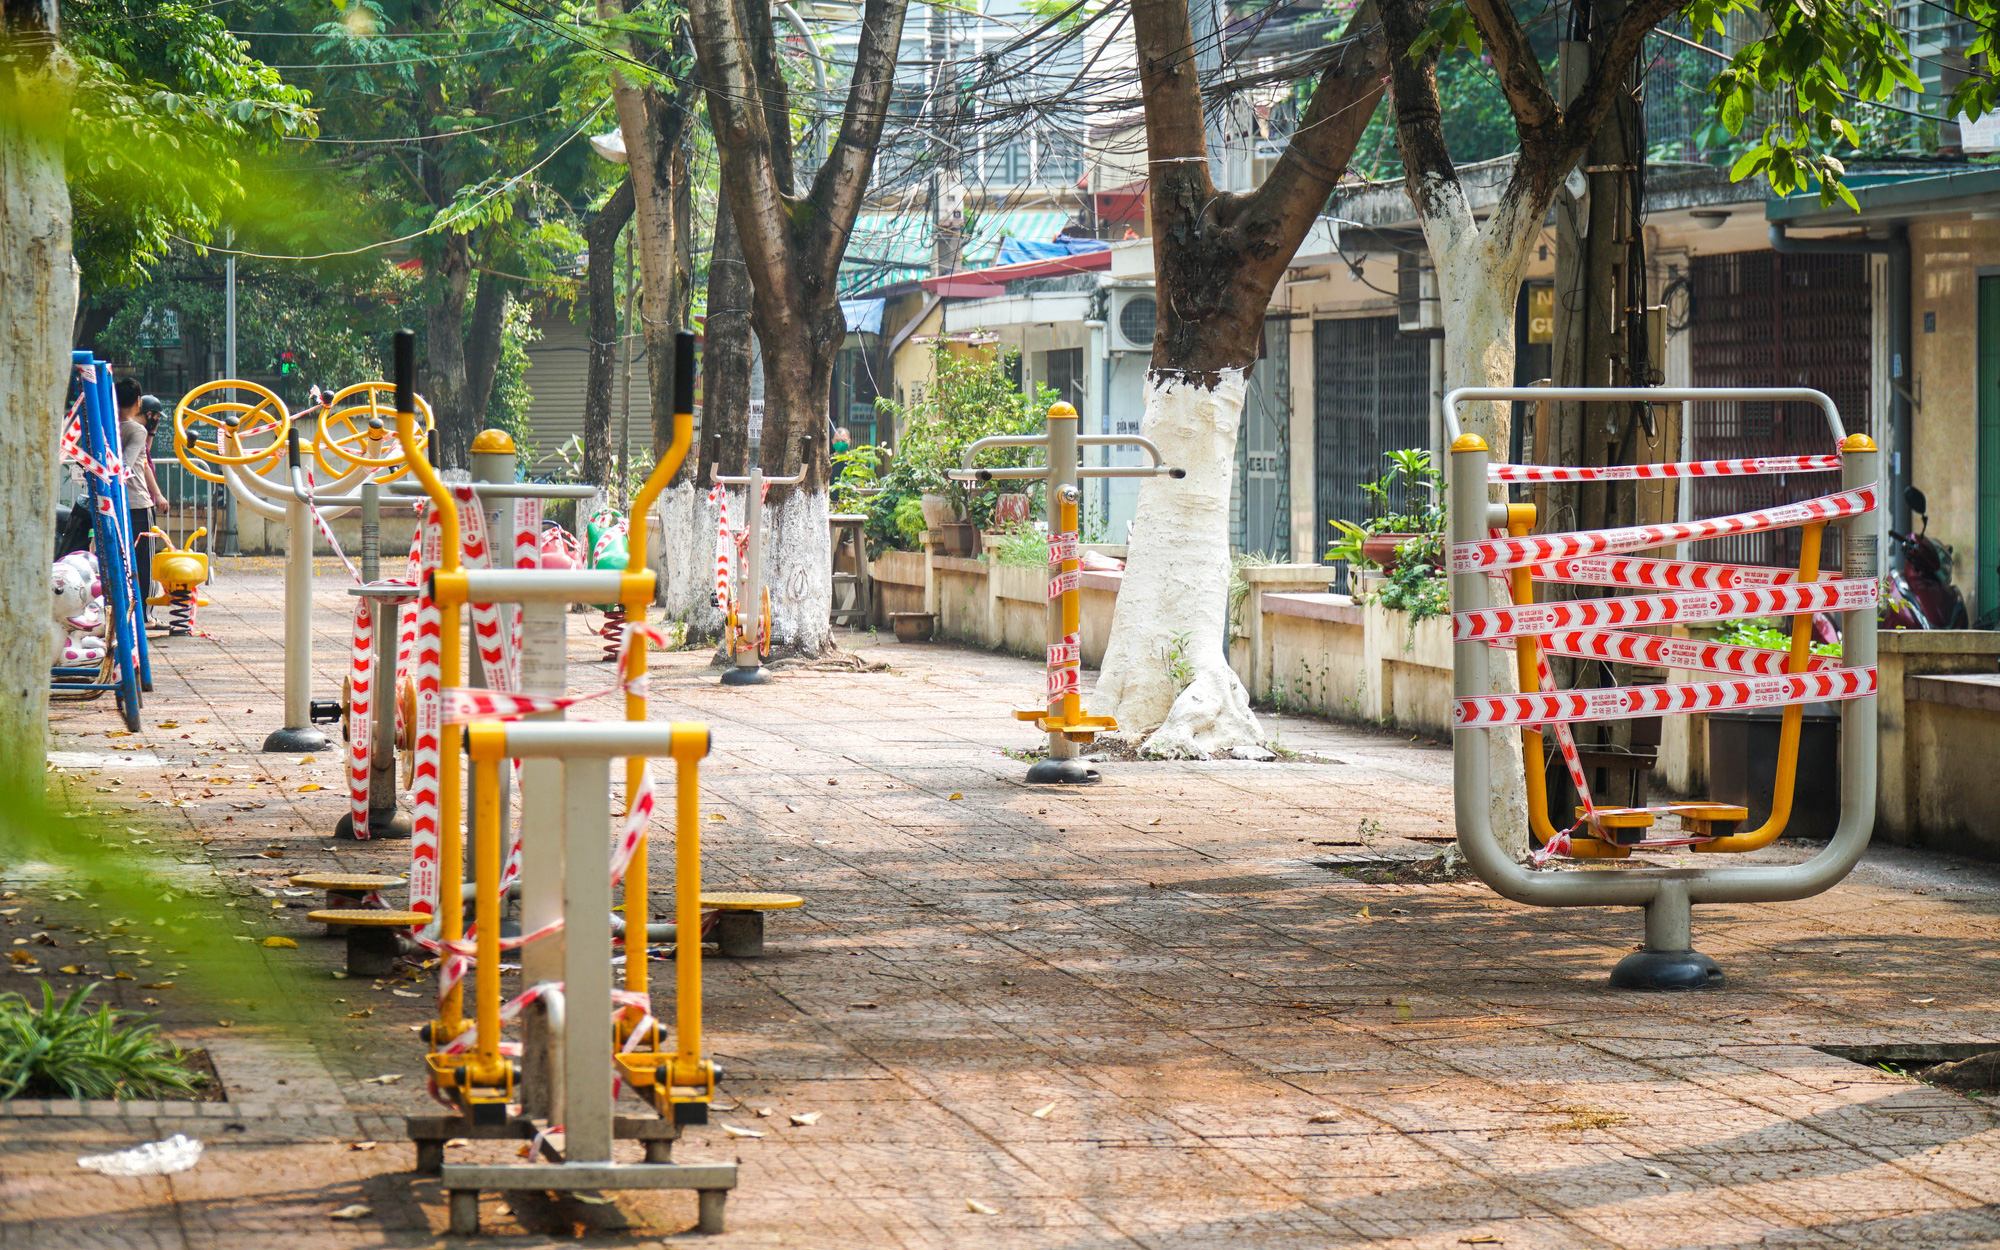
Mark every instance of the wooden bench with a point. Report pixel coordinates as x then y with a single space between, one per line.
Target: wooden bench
372 939
739 928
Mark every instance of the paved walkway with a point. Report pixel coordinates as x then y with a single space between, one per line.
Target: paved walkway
1154 1013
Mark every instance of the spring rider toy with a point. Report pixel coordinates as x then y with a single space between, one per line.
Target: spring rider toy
179 570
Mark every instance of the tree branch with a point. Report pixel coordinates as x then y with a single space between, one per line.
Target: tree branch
1514 61
1343 102
842 180
1176 134
1428 171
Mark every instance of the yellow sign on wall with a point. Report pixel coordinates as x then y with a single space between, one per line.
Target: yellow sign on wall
1541 312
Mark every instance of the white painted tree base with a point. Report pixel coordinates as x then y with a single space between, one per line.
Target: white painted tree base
798 567
1174 600
685 562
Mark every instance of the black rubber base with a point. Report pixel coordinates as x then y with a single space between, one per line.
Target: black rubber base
1666 970
390 826
736 675
1062 773
296 741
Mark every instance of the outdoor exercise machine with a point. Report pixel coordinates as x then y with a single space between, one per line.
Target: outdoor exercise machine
1492 540
349 441
90 439
180 571
748 641
575 1050
1063 719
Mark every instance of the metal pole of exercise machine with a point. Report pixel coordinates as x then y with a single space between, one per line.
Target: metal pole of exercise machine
1063 718
1667 960
748 670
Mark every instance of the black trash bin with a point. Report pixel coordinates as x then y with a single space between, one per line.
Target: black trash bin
1743 767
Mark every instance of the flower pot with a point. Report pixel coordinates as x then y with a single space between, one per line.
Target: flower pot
1381 549
938 512
913 626
1012 510
961 538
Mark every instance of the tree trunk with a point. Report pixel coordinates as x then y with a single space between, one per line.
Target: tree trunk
1217 258
601 296
484 341
1477 305
38 294
792 244
1170 623
446 386
687 556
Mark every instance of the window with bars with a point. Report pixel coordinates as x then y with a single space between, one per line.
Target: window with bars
1371 396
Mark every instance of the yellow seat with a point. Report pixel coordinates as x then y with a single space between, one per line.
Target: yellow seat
372 946
751 902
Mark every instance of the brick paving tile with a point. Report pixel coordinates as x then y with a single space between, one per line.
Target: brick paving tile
1230 1041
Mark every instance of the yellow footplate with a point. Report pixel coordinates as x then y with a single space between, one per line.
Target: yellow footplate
684 1096
1082 729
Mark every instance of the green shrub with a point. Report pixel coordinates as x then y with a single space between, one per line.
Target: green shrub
63 1050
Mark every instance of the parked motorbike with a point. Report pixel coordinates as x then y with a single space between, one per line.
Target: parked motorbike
1921 595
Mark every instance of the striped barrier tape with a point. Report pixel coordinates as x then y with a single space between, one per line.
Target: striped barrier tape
1619 647
360 715
1677 699
427 735
1750 467
1659 574
1495 554
1845 595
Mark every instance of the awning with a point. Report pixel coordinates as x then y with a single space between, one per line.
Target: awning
887 248
864 316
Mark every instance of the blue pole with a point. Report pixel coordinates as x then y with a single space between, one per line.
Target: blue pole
113 528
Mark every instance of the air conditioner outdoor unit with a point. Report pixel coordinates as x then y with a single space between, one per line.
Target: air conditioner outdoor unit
1134 313
1417 307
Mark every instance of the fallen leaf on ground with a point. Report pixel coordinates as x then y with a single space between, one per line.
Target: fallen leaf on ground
363 1014
1659 1172
1921 1001
311 785
806 1119
977 1207
23 958
1484 1239
72 970
733 1131
406 994
954 796
355 1212
1324 1117
362 1145
281 943
1042 1113
271 854
387 1078
861 1006
761 1112
1154 821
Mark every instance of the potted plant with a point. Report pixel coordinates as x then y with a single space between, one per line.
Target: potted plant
971 396
1389 538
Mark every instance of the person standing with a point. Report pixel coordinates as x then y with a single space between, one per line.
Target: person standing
142 488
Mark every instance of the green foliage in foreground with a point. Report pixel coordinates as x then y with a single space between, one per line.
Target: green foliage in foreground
62 1049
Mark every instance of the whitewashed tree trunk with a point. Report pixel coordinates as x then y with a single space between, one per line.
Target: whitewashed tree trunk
1174 602
798 567
37 312
1478 275
686 568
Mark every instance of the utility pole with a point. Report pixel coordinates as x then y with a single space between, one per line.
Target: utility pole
226 541
625 353
947 189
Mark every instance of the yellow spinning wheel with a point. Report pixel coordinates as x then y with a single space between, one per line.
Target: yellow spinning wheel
248 421
357 428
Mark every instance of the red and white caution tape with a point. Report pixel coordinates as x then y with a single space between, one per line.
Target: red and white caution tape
1659 574
428 732
319 519
1494 554
1750 467
1619 647
1677 699
1846 595
360 715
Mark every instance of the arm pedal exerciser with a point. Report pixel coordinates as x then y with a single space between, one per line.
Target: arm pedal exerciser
1494 551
